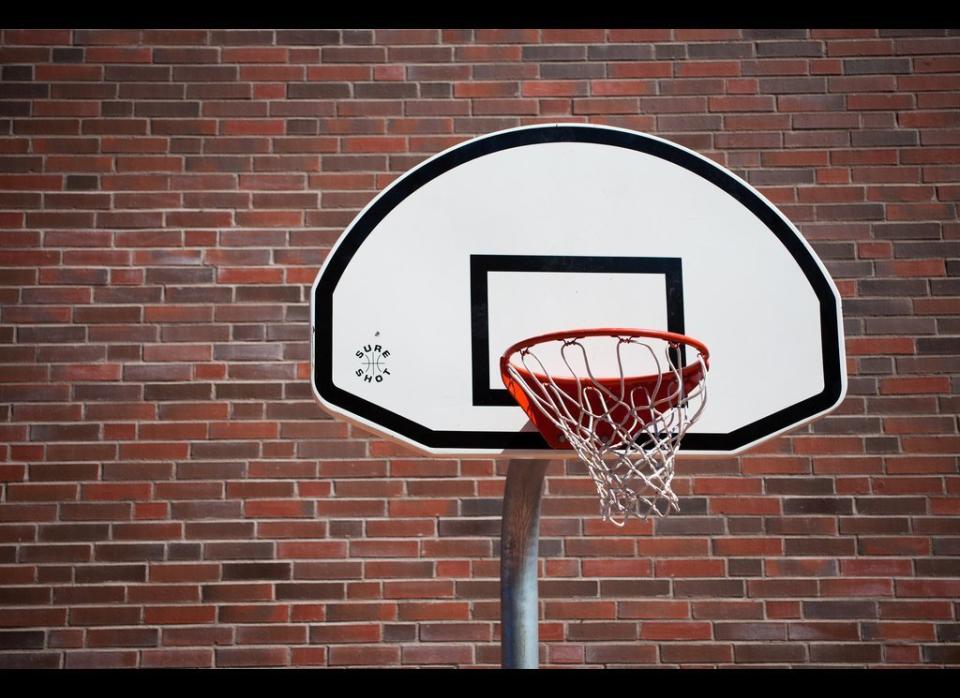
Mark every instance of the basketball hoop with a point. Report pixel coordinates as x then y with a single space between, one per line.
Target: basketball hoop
626 428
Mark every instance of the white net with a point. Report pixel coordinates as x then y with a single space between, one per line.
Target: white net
626 425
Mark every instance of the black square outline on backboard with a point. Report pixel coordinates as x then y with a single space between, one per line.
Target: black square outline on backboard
482 264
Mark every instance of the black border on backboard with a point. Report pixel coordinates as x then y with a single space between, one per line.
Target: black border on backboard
482 264
451 440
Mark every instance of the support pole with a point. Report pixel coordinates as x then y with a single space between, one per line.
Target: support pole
519 542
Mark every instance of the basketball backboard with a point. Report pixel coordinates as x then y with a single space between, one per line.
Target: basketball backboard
545 228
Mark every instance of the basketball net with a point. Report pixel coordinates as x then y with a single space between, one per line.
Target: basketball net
626 429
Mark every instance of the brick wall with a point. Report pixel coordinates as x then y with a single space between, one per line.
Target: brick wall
173 496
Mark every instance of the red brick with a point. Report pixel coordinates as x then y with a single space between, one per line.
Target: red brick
641 69
178 615
876 567
278 509
908 385
272 635
621 653
689 568
613 88
595 548
373 548
251 656
708 69
553 88
418 590
916 610
705 485
308 656
255 614
243 430
346 633
364 656
899 631
745 505
650 630
927 587
580 610
187 658
101 660
857 587
35 492
123 637
672 547
440 610
173 432
858 346
908 485
616 568
361 611
692 35
654 610
311 550
154 451
421 507
696 654
741 103
184 572
727 610
35 37
196 636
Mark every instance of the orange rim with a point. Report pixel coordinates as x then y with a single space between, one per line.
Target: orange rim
671 337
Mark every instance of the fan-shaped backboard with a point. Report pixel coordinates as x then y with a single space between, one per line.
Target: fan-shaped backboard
547 228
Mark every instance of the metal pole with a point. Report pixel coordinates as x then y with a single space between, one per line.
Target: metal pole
519 542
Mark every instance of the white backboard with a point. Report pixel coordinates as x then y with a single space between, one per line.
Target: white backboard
548 228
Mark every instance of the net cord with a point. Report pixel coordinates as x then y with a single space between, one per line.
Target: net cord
633 467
